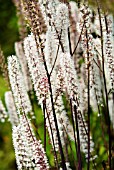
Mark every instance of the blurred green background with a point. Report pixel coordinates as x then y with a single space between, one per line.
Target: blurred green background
8 26
8 35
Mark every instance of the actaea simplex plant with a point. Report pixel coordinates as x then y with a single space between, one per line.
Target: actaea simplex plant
65 58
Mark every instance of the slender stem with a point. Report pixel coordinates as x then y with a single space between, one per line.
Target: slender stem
55 60
70 46
29 127
78 140
98 52
69 142
105 87
98 107
51 97
84 126
97 65
59 37
55 154
73 126
88 89
78 39
53 109
113 97
56 124
65 146
44 109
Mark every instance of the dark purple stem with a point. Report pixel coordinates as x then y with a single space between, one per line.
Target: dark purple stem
78 140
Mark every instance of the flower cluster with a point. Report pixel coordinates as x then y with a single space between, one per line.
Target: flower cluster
109 52
10 104
3 113
29 151
21 56
21 97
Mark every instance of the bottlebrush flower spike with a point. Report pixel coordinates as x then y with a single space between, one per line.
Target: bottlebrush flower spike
63 121
20 146
71 82
50 47
70 75
41 85
21 97
89 46
11 108
49 8
3 113
22 59
34 16
74 20
36 68
21 20
61 25
29 152
97 80
61 86
111 110
109 51
64 124
38 154
38 75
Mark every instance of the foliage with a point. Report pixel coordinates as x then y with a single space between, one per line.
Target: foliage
8 26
